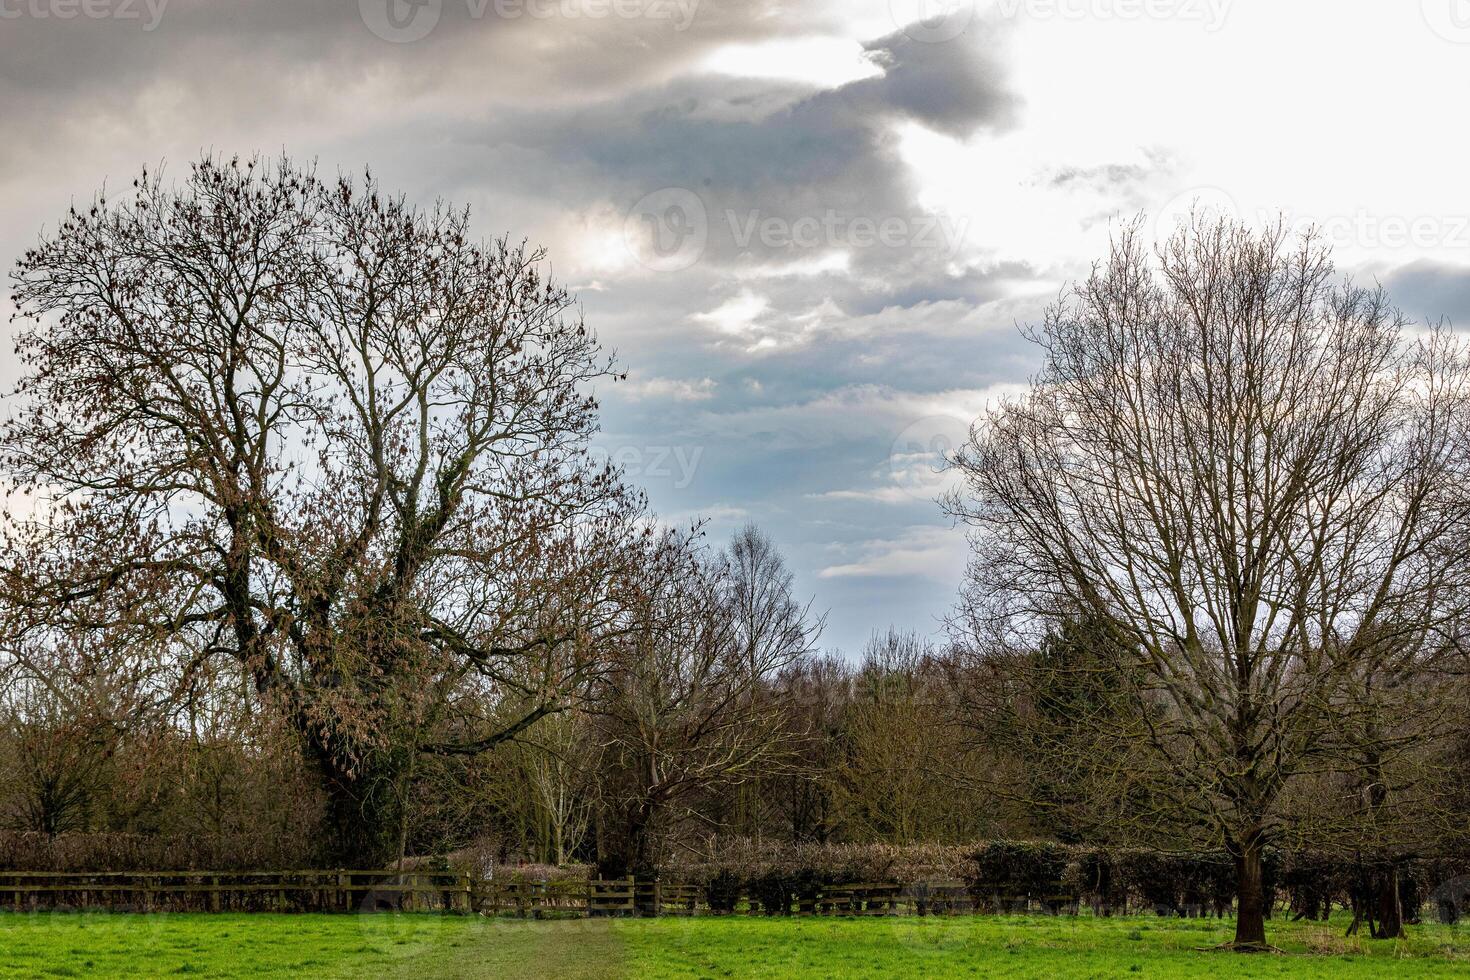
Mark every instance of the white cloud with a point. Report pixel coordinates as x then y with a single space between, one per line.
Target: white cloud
935 553
802 266
736 316
823 61
666 389
877 495
858 412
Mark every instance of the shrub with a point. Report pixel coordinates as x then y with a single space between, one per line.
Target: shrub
1020 870
809 865
80 852
722 891
1094 876
1185 882
543 872
773 891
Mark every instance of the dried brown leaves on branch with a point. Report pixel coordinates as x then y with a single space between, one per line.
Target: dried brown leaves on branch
309 427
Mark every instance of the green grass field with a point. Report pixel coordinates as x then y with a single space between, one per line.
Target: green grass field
423 947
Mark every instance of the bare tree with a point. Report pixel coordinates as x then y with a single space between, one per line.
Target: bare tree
771 626
898 780
543 786
816 692
1258 474
683 708
1388 792
67 706
1057 723
322 432
561 758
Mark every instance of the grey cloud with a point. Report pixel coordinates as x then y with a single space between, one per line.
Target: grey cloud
955 87
219 69
1108 175
768 150
1429 290
757 150
538 123
55 54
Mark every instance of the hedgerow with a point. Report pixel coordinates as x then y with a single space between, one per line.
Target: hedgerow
1002 874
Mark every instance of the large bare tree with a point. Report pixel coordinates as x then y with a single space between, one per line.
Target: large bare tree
313 428
771 627
1259 473
686 706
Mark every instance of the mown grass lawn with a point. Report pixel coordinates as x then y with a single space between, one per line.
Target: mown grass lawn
423 947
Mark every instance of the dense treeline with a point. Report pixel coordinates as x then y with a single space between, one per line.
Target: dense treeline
306 560
999 875
823 749
895 748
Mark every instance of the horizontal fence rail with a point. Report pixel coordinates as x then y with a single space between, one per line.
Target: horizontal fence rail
239 891
450 891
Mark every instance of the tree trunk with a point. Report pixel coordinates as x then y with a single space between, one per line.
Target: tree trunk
1390 906
628 849
362 817
1250 896
1388 902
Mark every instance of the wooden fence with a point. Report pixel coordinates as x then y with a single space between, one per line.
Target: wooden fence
420 890
239 891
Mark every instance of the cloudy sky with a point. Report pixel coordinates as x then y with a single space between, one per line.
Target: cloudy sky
810 228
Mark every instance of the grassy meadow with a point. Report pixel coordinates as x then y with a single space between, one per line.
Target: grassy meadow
423 947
